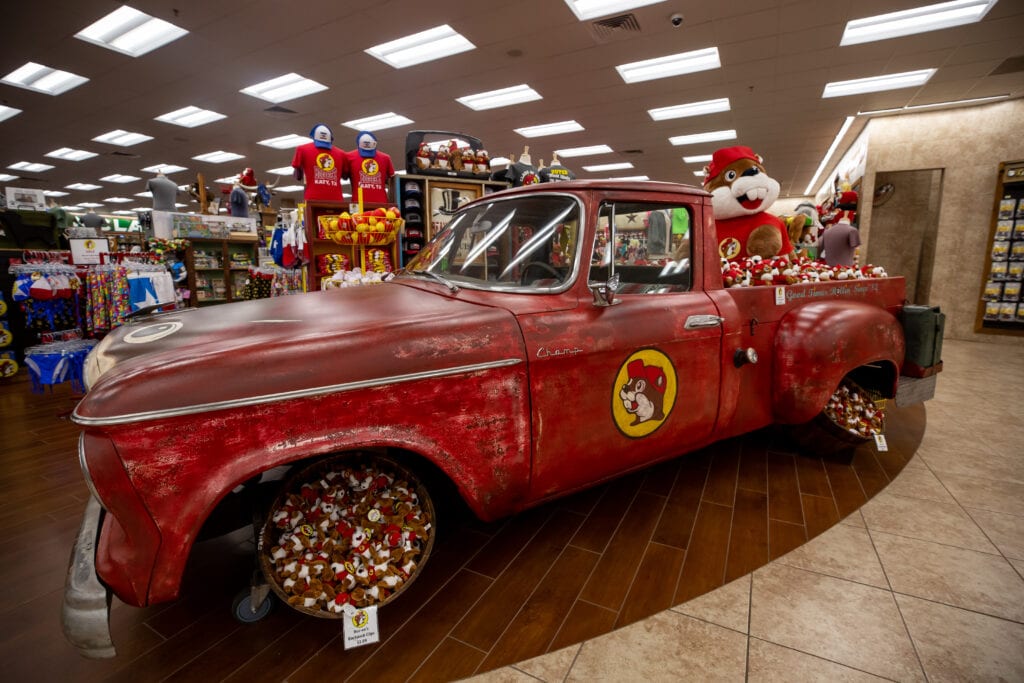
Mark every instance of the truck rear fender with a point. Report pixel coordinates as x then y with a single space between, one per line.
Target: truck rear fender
818 344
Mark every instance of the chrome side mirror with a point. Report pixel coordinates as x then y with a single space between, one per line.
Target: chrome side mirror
604 293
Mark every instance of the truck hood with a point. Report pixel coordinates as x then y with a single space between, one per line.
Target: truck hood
246 353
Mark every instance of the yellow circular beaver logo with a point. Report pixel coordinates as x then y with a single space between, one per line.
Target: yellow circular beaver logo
729 248
370 167
325 162
644 393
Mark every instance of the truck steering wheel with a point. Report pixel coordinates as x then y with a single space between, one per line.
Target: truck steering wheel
543 266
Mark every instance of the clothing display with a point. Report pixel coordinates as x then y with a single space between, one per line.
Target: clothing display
165 192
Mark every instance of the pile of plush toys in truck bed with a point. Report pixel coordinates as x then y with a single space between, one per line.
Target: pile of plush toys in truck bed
783 270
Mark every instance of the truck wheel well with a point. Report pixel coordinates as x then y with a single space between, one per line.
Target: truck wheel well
880 377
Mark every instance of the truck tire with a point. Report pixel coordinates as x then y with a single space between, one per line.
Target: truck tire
352 529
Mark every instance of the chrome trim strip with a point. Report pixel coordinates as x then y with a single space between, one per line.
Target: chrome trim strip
287 395
85 470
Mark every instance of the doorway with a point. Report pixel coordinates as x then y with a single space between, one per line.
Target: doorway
905 225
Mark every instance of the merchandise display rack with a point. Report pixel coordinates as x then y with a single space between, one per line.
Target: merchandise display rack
427 202
1001 307
358 254
219 268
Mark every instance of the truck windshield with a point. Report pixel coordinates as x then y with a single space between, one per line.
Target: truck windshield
521 243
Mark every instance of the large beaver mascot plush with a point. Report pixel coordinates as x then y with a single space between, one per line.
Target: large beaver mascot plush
741 193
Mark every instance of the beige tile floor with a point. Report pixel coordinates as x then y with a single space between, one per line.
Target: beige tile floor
923 583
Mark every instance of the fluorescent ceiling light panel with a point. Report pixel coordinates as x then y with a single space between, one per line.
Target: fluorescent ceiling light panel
916 20
671 65
75 207
289 141
30 167
499 161
69 154
680 111
699 174
130 32
378 122
699 159
828 155
695 138
907 79
218 157
163 168
7 177
290 188
122 138
7 112
55 193
227 179
425 46
190 117
631 177
591 9
504 97
120 178
608 167
583 151
549 129
124 212
284 88
43 79
90 205
82 186
935 105
147 193
283 170
118 200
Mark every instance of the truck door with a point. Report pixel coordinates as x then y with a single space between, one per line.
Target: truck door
614 387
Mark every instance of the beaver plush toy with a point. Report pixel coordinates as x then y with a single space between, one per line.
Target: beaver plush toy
741 193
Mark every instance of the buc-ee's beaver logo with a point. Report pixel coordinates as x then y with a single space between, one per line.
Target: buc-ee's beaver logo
325 162
644 393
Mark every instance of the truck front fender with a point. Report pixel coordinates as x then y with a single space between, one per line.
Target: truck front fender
818 344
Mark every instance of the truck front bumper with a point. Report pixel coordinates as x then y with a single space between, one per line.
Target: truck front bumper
85 615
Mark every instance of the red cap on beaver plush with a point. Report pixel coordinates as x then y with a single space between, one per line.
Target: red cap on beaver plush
725 156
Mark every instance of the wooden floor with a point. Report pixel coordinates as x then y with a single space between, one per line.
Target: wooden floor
492 594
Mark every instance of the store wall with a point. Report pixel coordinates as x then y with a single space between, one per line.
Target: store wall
966 145
904 229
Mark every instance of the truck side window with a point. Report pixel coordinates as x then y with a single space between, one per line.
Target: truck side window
647 244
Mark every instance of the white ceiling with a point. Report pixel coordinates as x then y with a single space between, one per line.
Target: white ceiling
776 57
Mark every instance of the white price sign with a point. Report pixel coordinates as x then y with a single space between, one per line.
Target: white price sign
361 626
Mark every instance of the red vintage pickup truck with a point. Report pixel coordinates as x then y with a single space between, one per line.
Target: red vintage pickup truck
547 339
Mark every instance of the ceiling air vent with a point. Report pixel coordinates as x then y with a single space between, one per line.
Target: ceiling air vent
1009 66
124 155
614 28
632 151
279 112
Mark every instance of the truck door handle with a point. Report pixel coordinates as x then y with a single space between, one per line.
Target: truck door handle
696 322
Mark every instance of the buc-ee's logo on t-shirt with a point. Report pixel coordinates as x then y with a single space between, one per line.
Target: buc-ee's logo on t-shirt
370 167
325 162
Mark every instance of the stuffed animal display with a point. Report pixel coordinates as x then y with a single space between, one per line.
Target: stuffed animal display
741 193
851 409
350 535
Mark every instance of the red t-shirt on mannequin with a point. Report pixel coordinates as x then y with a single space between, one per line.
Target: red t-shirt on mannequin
369 169
322 165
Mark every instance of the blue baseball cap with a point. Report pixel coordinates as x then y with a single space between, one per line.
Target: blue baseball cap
366 143
322 136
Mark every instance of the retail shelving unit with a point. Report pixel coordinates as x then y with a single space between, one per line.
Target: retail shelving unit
218 268
1001 307
428 201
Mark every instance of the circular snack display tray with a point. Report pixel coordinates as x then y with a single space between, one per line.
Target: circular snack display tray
328 539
